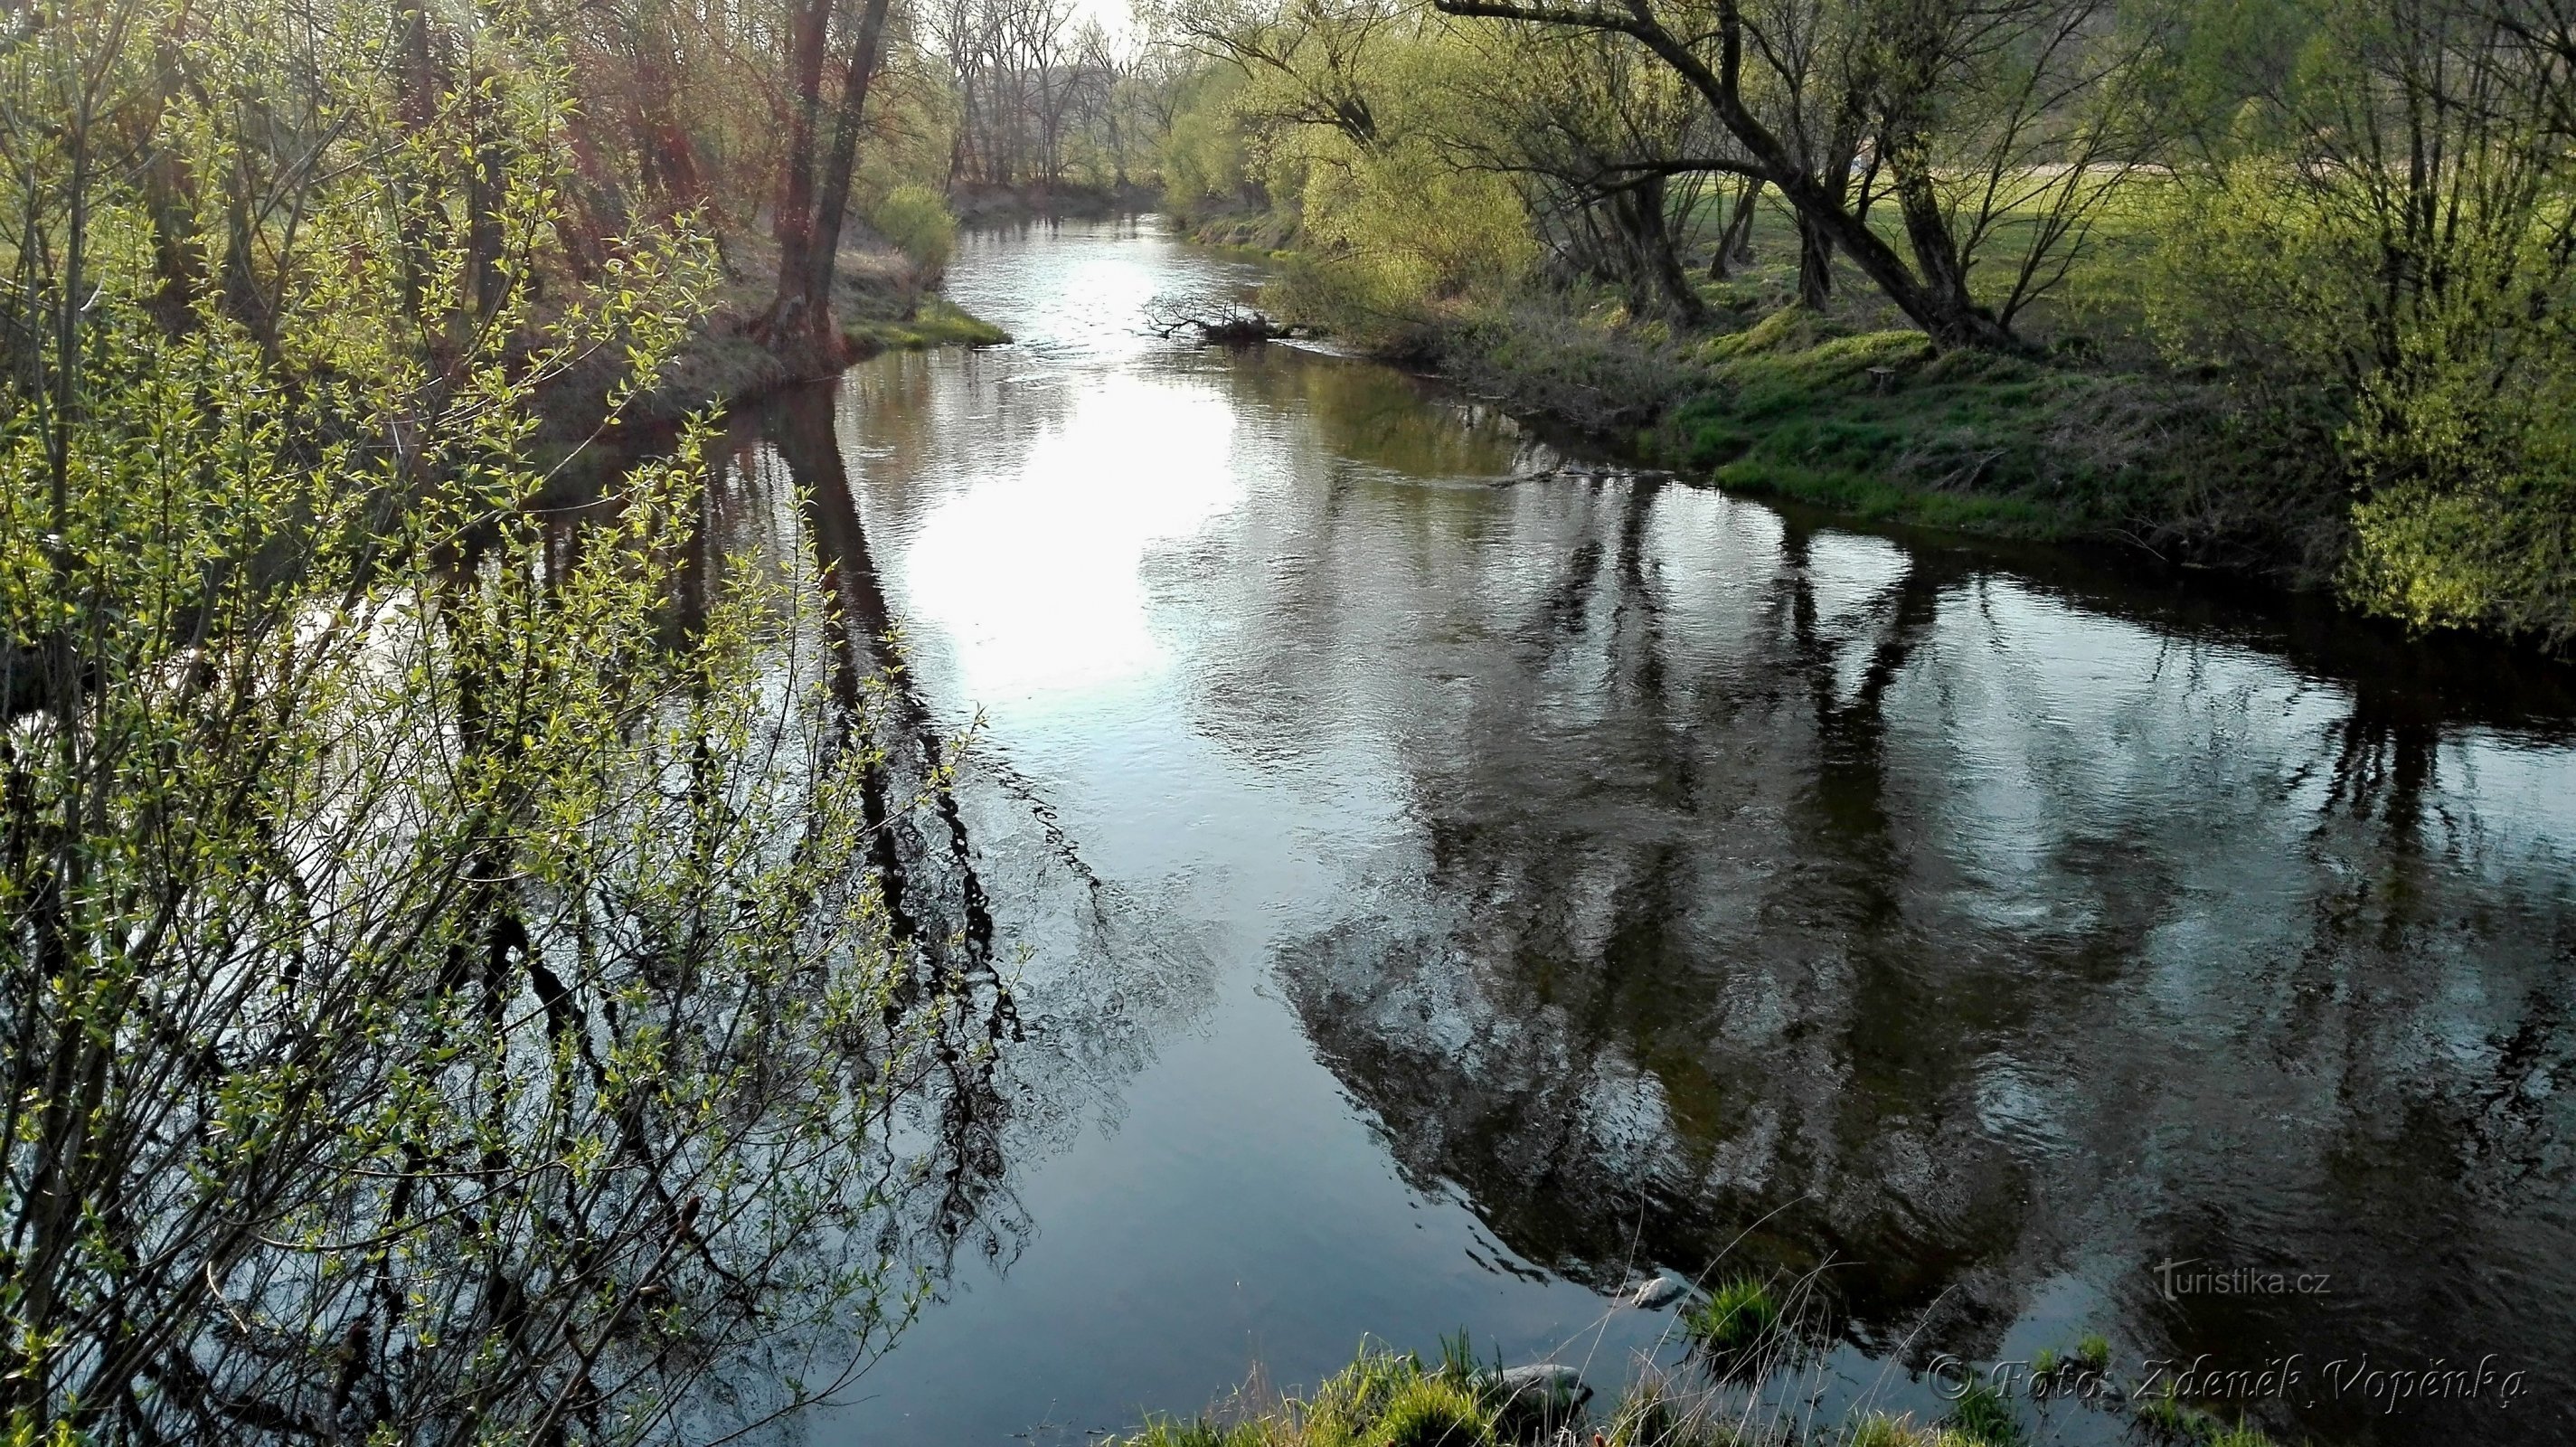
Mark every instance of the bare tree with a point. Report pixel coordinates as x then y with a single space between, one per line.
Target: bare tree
1802 93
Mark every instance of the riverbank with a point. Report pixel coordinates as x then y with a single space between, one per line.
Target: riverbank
1396 1399
881 301
1846 408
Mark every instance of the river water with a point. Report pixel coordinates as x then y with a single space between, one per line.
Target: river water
1443 878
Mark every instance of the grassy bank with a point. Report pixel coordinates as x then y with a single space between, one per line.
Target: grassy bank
1879 425
2091 438
934 322
1394 1399
1848 413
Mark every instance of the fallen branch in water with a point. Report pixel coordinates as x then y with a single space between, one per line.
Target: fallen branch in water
1229 323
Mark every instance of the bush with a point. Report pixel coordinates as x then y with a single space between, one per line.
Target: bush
917 221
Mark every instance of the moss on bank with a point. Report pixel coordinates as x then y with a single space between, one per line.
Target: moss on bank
935 322
1879 425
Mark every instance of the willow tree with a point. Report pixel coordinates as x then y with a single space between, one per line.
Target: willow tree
1590 126
1970 113
442 990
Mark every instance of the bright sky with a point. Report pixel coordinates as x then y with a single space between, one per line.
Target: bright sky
1114 15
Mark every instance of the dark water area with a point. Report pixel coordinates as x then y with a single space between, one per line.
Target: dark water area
1441 878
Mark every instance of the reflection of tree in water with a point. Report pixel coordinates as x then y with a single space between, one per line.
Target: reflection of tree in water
995 1088
1734 947
1363 414
1579 956
950 1176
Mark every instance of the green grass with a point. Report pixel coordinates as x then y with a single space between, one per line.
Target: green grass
1878 425
1200 1431
1735 1318
1433 1412
1982 1415
1393 1399
2094 1351
937 322
1880 1430
2167 1417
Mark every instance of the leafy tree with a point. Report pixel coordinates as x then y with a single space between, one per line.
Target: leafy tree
2385 220
1971 109
443 994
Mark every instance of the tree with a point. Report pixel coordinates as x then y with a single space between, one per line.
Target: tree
1591 125
1939 92
814 188
442 983
1310 61
2381 219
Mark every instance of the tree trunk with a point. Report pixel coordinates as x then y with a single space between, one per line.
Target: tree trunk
832 200
1815 263
799 325
1949 310
1735 243
1652 270
809 25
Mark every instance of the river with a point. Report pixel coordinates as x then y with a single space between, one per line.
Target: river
1442 876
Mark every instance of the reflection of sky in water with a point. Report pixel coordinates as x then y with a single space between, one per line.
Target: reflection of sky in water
1567 845
1034 574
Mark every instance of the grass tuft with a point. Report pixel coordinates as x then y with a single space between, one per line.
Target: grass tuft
1735 1318
1199 1431
2168 1418
1982 1415
1880 1430
1433 1412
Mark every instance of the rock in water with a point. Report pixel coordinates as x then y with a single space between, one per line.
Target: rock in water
1656 1292
1544 1385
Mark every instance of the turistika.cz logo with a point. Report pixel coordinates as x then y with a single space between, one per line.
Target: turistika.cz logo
2181 1281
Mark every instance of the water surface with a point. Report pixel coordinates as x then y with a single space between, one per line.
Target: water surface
1444 877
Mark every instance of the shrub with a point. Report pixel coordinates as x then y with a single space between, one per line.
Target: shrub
917 221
